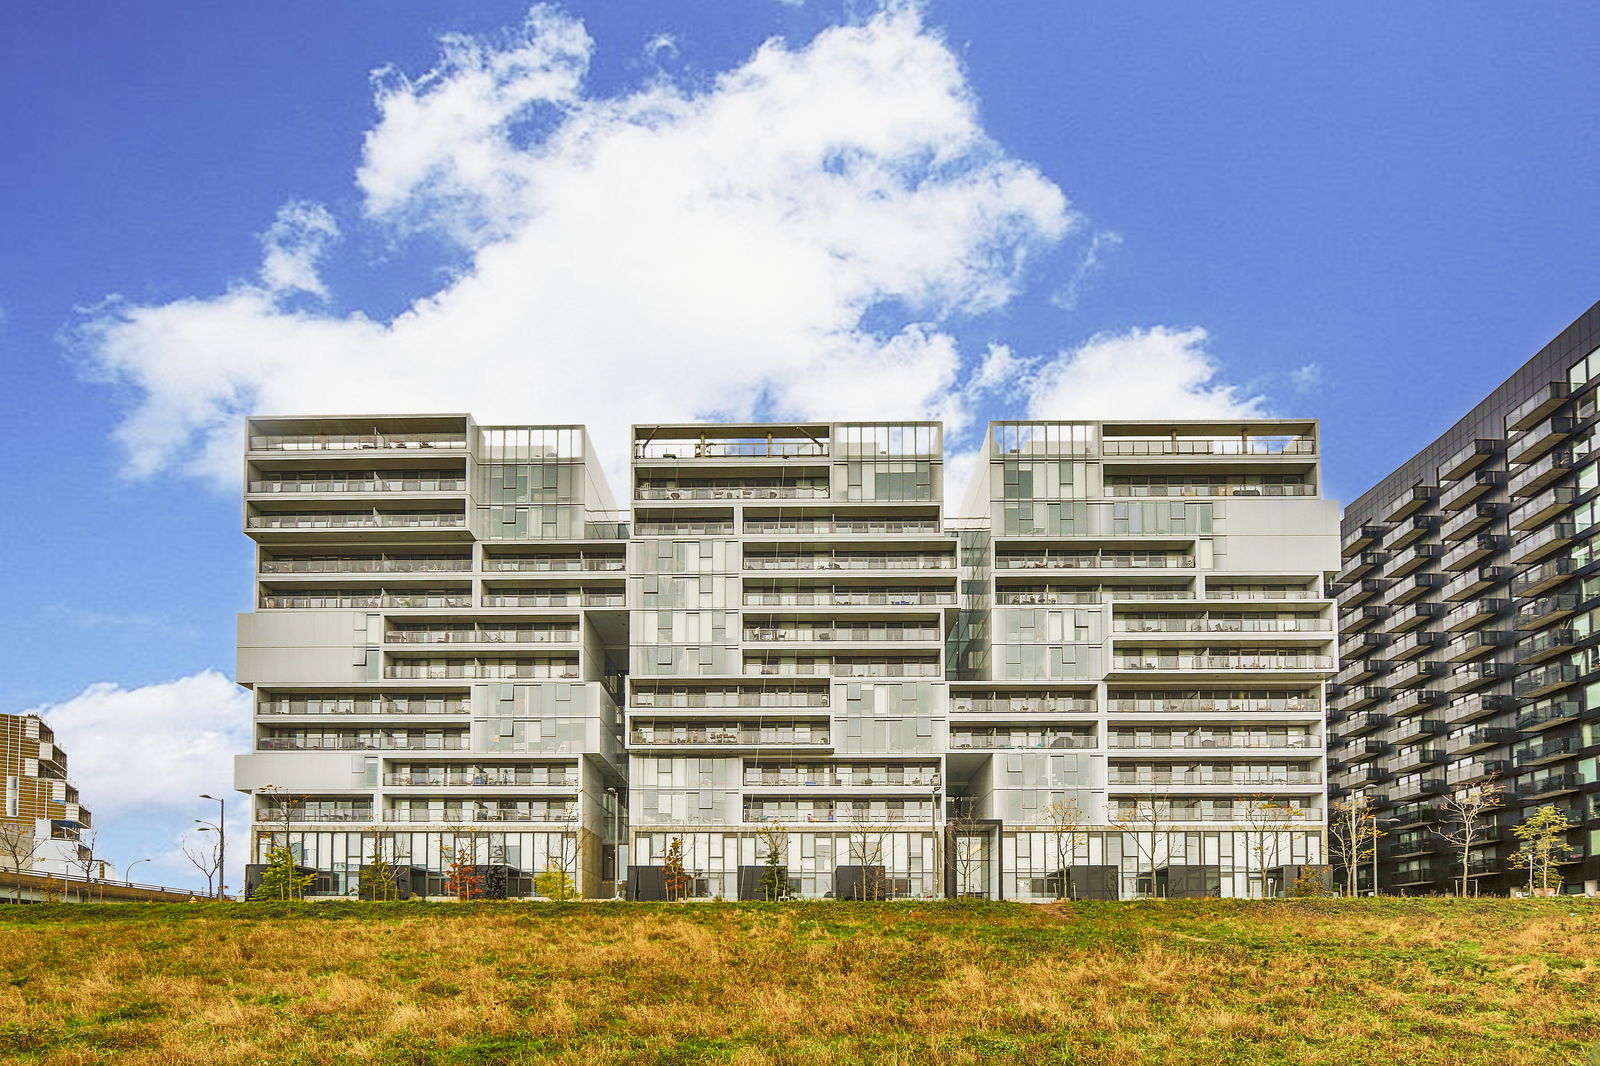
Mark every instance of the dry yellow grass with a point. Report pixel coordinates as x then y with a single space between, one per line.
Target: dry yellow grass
1420 982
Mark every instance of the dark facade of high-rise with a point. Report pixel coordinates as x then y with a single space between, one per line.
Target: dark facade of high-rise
1469 604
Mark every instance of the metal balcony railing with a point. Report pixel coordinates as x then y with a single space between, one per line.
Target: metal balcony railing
302 442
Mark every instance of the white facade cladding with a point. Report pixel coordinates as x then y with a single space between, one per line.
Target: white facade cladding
1107 680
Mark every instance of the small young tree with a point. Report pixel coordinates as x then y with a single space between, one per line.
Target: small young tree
87 862
1266 820
674 878
967 847
1353 833
18 845
1145 818
282 879
774 883
1544 844
202 852
555 883
867 844
1066 821
462 879
1466 821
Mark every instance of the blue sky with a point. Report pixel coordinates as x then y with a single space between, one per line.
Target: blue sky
1366 213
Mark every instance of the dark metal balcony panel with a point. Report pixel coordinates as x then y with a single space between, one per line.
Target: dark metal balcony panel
1477 705
1410 588
1547 471
1539 438
1359 566
1406 618
1473 613
1358 592
1471 488
1534 512
1364 723
1425 874
1412 644
1363 642
1361 538
1474 550
1548 714
1410 531
1537 545
1474 582
1411 700
1408 501
1545 787
1544 576
1415 672
1414 814
1431 786
1469 457
1546 611
1544 401
1545 644
1549 751
1361 617
1353 673
1470 771
1478 740
1415 557
1476 644
1469 676
1470 520
1542 680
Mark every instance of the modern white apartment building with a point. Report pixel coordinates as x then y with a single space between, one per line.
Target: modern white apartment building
1105 680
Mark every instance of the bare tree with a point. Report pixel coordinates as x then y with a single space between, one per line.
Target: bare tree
774 843
1266 819
1353 834
1147 821
87 861
18 845
867 842
967 847
278 816
1466 815
203 854
1066 820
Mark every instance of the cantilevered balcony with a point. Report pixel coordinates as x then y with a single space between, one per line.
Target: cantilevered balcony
1543 680
1365 723
1545 644
1362 643
1537 754
1409 760
1469 457
1473 550
1475 582
1469 614
1415 643
1546 610
1355 698
1405 533
1535 476
1355 671
1408 502
1415 672
1406 790
1471 708
1358 566
1545 576
1471 519
1544 542
1412 557
1408 617
1362 538
1409 729
1548 714
1540 437
1416 586
1470 676
1362 618
1545 400
1471 740
1471 488
1476 644
1412 700
1545 786
1530 513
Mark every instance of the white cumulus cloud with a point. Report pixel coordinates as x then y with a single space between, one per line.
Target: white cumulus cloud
1142 373
665 254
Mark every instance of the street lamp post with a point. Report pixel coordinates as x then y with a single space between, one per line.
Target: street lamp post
616 843
127 875
222 844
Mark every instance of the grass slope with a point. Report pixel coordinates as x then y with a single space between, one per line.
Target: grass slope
1418 982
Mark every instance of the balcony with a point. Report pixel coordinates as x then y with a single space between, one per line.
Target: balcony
1414 814
479 668
1359 670
702 447
1472 519
1542 680
1157 704
1539 438
1415 557
1544 787
479 813
1415 672
716 734
1535 476
1478 705
756 597
1270 659
1544 542
365 742
367 564
853 527
1477 644
595 597
1045 703
1548 714
1546 611
1365 723
1469 458
390 481
1361 643
1409 617
1549 751
553 564
1409 730
1532 513
1410 531
363 705
308 813
1354 621
349 442
443 633
1245 445
1413 759
1412 700
1547 575
319 599
1089 560
1009 740
1407 589
484 778
1474 550
1236 777
843 776
1208 739
1547 643
1116 486
856 561
1405 791
1362 538
796 489
1478 740
1363 564
359 520
1471 676
1475 582
1218 622
1471 613
1408 501
1545 399
1357 698
1471 488
1419 873
798 633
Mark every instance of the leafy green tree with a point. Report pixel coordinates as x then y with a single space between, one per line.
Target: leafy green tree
282 878
377 880
1544 844
555 883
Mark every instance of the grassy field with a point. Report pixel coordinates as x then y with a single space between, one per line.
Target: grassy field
1416 982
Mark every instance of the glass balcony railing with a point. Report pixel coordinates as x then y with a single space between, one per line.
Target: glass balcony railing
1116 489
374 564
814 634
849 598
864 527
1015 739
1244 446
550 564
365 742
850 561
1092 560
483 668
363 598
1202 661
378 483
1212 705
1202 739
704 448
482 635
555 598
478 813
713 734
314 814
358 520
321 442
373 705
1020 704
1220 623
1216 777
765 491
485 778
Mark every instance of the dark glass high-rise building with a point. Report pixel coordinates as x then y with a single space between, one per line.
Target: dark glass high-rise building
1469 604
